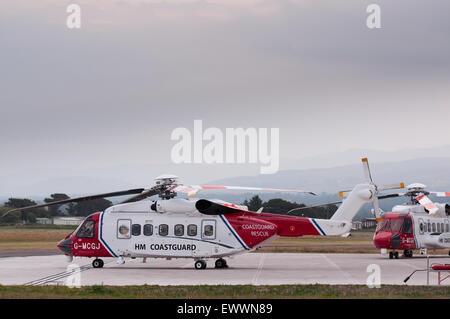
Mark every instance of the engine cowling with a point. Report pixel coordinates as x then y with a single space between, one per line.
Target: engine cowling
176 205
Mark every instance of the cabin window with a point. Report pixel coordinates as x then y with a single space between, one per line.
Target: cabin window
148 229
429 227
407 226
442 227
86 230
208 227
136 229
447 228
192 230
434 227
438 227
179 230
163 230
421 228
123 228
209 230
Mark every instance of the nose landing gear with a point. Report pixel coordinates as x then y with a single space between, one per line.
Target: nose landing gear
97 263
393 254
408 253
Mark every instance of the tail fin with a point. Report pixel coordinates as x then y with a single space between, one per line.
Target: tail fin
360 195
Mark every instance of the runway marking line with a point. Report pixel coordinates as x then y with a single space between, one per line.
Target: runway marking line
258 271
347 275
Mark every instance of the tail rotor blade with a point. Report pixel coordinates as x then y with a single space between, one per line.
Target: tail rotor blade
390 186
366 170
376 208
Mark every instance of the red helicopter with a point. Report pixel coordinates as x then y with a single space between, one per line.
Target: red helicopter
418 224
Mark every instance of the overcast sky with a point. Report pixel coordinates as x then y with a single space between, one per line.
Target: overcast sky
111 93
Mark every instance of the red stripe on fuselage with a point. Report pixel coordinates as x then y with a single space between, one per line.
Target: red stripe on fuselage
286 226
291 226
251 231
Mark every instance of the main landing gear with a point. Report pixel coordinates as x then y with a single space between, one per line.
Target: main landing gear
200 264
97 263
220 263
393 254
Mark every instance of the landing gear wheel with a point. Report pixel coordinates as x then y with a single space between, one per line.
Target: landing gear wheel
221 263
396 255
200 264
408 253
391 255
97 263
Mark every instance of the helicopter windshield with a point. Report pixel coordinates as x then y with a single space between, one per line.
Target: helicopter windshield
382 225
86 230
394 225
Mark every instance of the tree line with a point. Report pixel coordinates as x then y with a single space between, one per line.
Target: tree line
84 208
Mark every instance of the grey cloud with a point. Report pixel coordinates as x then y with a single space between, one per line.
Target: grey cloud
113 91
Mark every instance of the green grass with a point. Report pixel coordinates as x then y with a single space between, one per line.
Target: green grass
227 291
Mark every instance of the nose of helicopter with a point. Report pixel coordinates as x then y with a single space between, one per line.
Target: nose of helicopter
383 240
64 246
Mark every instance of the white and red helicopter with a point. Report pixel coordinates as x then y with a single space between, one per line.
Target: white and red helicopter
418 224
172 227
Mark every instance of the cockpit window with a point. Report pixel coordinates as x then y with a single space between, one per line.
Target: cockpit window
407 226
86 230
396 225
382 225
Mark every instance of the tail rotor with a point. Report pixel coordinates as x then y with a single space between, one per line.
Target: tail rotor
377 211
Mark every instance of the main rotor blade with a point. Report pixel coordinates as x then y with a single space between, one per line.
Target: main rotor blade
78 199
314 206
147 193
339 202
441 194
191 190
390 196
428 204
